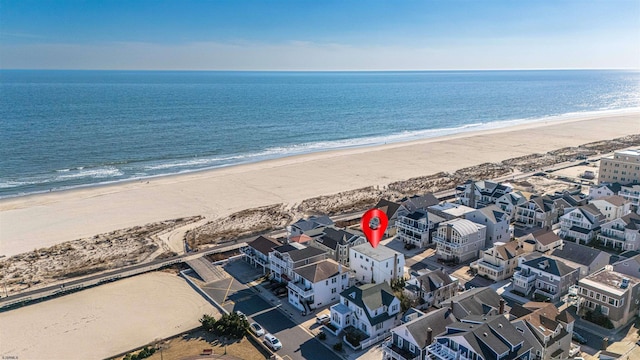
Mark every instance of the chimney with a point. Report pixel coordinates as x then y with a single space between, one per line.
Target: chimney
501 311
429 336
605 343
451 306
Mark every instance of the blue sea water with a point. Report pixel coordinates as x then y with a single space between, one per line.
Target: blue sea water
64 129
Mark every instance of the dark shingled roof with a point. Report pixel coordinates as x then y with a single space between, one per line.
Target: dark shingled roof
417 215
420 202
301 254
331 237
437 320
389 207
371 296
478 301
545 237
264 244
313 222
319 271
579 254
434 280
550 266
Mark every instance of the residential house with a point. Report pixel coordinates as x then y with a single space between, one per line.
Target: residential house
481 301
257 252
612 207
499 261
544 277
486 338
548 330
496 221
621 234
371 308
622 167
580 224
376 265
318 284
459 240
510 201
285 258
391 209
631 193
336 242
539 211
432 287
409 341
447 211
585 258
610 293
569 199
303 225
413 228
603 190
628 266
417 202
480 193
542 241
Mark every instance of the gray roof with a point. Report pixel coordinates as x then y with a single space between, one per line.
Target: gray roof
264 244
389 207
322 270
313 222
549 265
478 301
579 254
434 280
301 254
420 202
371 296
418 214
331 237
437 320
545 237
379 253
493 213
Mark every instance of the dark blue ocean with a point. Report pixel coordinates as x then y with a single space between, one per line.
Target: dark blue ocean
63 129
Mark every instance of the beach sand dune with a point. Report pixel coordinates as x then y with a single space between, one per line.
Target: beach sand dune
103 321
43 220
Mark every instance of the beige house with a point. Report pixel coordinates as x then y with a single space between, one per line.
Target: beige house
459 240
499 262
623 167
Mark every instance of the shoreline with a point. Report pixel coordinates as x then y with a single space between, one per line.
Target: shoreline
414 136
40 220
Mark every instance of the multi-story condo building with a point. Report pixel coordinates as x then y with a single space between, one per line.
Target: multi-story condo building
586 259
485 338
580 224
631 193
510 201
614 295
496 221
548 330
409 341
621 234
376 265
336 242
284 259
370 308
623 167
414 228
480 193
612 207
257 252
539 211
459 240
318 284
433 287
545 278
499 262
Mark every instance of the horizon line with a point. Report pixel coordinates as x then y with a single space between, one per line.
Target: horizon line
328 71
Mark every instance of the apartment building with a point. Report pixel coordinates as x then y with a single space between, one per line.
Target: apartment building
623 167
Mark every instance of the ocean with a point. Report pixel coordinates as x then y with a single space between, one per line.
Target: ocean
66 129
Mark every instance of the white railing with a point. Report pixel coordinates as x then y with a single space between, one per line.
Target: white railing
302 292
374 340
490 266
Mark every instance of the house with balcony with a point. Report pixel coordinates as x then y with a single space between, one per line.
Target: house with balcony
477 194
548 330
510 201
612 207
371 308
580 224
445 211
459 240
336 242
481 301
544 278
542 241
285 258
257 252
414 228
486 338
376 265
409 341
499 262
569 199
539 211
621 234
632 194
496 221
587 259
417 202
610 293
318 284
432 287
603 190
303 225
392 209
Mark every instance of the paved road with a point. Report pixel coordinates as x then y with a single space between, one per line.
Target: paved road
234 294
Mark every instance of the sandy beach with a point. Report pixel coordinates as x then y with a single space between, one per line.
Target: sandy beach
36 221
103 321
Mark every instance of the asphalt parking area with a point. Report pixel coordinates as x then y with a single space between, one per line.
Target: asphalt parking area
221 290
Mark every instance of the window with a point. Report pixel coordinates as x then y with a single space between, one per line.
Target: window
412 348
394 308
399 342
379 326
333 280
333 290
605 310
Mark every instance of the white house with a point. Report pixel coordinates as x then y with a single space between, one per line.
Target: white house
459 240
303 225
580 224
496 221
631 193
603 190
376 265
371 308
621 234
284 259
318 284
499 262
480 193
612 207
414 228
433 287
510 201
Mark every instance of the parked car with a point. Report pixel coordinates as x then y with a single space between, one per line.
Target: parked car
273 342
579 338
323 319
256 329
241 314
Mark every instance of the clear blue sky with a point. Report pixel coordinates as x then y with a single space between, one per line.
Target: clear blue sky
319 35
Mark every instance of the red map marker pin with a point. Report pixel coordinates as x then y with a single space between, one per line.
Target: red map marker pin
374 235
